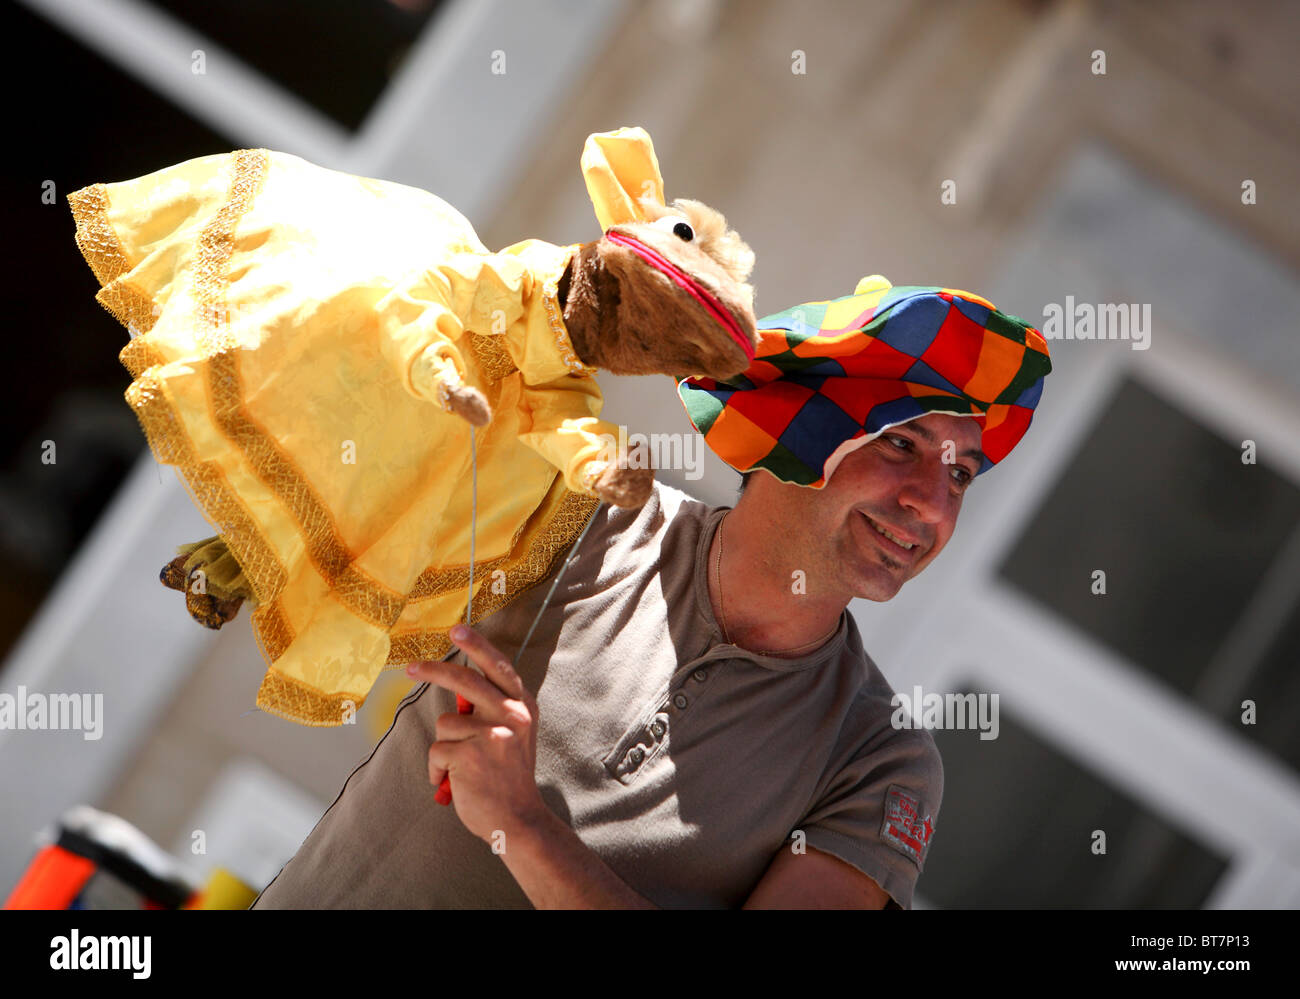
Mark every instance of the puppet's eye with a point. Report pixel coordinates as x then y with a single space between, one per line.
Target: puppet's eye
677 225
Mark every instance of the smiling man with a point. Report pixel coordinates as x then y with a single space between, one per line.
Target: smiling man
886 514
694 722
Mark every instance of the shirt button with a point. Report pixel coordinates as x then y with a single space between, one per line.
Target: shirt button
701 675
681 700
658 728
636 756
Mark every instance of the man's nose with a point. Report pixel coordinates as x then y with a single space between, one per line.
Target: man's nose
925 491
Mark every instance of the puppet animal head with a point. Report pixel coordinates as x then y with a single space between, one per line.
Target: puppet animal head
669 295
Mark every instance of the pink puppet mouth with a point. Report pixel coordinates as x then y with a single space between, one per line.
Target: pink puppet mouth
688 285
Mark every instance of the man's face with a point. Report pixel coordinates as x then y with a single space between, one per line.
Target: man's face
900 483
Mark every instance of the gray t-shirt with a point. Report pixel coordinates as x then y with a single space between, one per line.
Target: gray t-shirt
683 762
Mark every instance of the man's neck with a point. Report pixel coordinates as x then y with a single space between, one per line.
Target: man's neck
766 601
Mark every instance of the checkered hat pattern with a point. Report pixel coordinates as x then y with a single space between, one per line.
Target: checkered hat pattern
827 373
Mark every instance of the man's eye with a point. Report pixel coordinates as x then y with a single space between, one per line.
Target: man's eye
963 477
902 443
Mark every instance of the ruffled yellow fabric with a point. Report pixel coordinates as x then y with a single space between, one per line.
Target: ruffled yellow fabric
279 312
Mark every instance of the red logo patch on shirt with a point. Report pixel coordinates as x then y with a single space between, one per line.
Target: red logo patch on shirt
904 827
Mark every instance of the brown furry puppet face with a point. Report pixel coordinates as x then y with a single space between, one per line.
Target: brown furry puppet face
667 296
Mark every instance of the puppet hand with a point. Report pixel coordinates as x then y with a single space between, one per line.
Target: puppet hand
491 754
469 403
628 487
437 376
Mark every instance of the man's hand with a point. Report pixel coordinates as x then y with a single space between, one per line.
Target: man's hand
491 754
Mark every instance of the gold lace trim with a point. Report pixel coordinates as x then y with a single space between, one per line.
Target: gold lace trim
99 244
205 484
275 633
551 299
536 563
129 305
272 630
435 582
261 565
554 541
139 356
96 237
300 702
363 595
132 307
417 645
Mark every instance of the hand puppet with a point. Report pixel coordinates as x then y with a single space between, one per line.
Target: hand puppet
313 350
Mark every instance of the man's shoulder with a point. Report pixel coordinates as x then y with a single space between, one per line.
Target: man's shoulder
879 725
668 513
674 503
877 802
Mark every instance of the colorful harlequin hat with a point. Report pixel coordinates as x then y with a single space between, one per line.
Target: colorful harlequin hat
831 376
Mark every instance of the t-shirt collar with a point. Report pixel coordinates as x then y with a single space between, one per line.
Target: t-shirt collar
720 649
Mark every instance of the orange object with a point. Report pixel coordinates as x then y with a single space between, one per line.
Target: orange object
53 880
443 795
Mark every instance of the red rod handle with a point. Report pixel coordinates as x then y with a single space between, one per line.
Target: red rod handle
443 795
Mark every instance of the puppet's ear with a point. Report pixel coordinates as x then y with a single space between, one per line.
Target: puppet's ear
620 169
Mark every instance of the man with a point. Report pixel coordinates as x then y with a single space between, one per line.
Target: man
694 721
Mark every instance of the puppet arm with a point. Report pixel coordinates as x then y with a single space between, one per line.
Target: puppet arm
418 334
558 420
425 316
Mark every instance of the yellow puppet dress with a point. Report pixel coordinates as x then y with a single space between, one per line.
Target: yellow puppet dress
292 330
